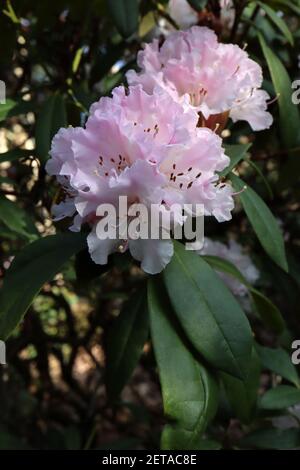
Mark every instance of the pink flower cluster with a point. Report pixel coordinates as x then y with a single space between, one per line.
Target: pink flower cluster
203 74
145 142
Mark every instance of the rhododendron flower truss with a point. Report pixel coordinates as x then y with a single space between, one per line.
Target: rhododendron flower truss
212 78
147 148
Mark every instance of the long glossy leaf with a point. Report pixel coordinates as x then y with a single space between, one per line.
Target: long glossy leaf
14 154
289 114
209 314
17 219
283 396
15 108
125 14
242 395
125 343
279 361
36 264
287 4
190 393
272 438
278 21
236 153
51 117
268 312
263 222
5 108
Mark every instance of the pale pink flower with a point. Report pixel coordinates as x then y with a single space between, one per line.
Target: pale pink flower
203 74
145 147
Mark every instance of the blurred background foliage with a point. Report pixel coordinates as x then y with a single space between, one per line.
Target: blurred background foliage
57 57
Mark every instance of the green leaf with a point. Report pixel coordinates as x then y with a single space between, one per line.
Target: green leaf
190 393
17 219
289 114
259 171
51 117
208 444
236 153
278 21
125 14
36 264
268 312
77 60
14 154
198 5
6 180
5 108
225 266
272 438
242 395
15 108
288 4
209 314
125 343
283 396
263 222
278 361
